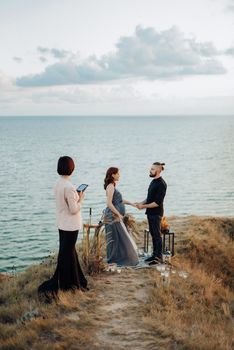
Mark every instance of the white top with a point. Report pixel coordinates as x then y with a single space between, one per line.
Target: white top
68 210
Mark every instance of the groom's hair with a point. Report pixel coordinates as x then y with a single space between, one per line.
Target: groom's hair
161 164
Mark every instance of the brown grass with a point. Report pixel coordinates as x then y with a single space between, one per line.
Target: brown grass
25 323
209 246
197 313
93 253
134 309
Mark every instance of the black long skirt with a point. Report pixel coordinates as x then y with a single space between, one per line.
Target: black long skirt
68 274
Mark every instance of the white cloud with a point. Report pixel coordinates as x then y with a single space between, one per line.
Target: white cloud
124 98
14 96
229 51
56 53
43 59
9 93
86 95
17 59
230 5
6 84
147 54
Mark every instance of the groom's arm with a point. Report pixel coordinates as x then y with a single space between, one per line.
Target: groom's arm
141 205
159 196
149 205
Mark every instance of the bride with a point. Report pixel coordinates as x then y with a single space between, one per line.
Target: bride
121 248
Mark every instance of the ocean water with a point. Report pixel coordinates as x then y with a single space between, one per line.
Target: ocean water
198 152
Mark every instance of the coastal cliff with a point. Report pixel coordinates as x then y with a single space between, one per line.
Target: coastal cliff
137 308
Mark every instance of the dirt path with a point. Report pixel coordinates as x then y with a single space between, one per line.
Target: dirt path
119 311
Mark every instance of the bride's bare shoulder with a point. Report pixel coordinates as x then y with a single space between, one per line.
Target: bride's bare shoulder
110 187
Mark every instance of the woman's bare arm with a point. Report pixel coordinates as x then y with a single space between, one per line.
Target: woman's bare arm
128 203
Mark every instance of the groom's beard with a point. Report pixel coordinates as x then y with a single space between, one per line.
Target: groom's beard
153 175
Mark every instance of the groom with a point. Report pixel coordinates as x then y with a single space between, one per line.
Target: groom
154 210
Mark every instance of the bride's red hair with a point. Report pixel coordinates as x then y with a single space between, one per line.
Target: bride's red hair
109 179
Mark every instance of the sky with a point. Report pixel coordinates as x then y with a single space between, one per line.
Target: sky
116 57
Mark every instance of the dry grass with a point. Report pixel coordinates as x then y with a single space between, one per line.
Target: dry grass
133 309
197 313
25 323
93 253
209 246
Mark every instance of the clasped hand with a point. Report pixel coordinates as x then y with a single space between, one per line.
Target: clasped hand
138 205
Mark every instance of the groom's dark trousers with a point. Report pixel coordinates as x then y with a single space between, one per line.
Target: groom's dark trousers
155 231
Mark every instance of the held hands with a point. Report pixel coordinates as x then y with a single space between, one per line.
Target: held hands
139 206
133 205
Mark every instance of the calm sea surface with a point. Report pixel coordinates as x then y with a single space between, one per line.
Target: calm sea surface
198 152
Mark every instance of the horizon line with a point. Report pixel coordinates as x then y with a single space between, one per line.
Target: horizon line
117 115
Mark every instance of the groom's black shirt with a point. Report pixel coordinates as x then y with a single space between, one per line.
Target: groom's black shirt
156 193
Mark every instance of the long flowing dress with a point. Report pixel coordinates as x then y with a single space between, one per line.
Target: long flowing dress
121 248
68 274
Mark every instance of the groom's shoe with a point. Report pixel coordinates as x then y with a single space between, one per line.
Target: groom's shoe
151 258
156 261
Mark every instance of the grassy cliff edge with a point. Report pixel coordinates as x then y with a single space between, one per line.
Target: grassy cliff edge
135 308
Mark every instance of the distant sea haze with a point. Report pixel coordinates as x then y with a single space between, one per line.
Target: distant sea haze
198 152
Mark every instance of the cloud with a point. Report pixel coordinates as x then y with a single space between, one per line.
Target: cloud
67 73
75 95
86 95
56 53
147 54
43 59
230 5
17 59
8 91
229 51
123 98
5 83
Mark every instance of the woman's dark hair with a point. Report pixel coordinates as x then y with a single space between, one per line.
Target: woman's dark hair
109 179
65 166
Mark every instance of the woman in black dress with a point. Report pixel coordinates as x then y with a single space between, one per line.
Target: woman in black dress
68 274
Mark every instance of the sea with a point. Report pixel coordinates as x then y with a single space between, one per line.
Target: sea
197 150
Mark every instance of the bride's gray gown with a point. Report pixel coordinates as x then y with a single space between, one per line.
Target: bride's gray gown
121 248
